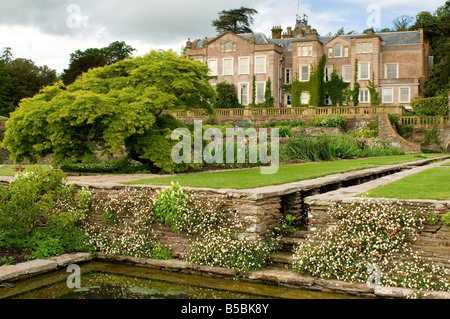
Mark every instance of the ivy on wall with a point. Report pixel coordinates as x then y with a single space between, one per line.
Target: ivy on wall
335 88
374 95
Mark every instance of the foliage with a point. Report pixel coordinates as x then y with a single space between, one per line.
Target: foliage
113 166
306 149
315 86
169 205
284 131
446 219
235 20
82 61
335 88
368 131
356 87
285 123
226 96
285 226
268 98
433 106
109 108
330 121
6 90
374 94
366 234
431 136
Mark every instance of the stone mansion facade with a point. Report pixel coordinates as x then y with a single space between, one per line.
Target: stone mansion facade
399 62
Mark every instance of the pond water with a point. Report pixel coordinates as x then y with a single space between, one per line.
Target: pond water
115 281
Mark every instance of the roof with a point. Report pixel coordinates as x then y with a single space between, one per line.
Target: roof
387 38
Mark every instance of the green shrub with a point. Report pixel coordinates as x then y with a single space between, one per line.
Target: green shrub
284 131
345 147
169 205
226 96
330 121
306 149
446 219
433 106
114 166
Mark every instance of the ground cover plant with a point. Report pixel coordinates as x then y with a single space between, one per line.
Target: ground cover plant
252 178
370 234
430 184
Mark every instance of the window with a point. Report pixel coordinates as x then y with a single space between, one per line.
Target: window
212 64
338 50
304 98
288 99
287 76
305 51
330 52
243 93
304 73
364 70
260 91
328 72
327 100
405 95
228 47
244 65
260 64
227 66
345 52
391 71
364 47
388 95
347 73
364 96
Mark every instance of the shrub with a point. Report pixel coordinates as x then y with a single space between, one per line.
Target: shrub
368 233
170 204
114 166
330 121
306 149
433 106
344 146
284 131
226 96
446 219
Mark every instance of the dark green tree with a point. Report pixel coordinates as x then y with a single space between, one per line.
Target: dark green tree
269 101
226 96
81 65
6 90
235 20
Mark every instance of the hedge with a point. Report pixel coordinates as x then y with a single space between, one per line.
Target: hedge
433 106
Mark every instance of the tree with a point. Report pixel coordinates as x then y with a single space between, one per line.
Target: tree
235 20
402 23
116 108
82 61
7 55
30 78
6 90
436 28
226 96
269 101
81 65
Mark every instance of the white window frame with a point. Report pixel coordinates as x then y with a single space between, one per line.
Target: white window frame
247 71
366 94
386 71
360 68
256 64
225 47
287 97
328 73
346 52
301 73
330 52
240 84
359 47
213 72
305 95
307 48
383 95
350 74
287 78
400 94
263 85
232 66
341 49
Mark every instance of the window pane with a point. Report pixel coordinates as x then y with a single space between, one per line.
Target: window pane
304 71
310 50
228 66
330 52
347 73
404 95
304 98
391 71
260 65
364 71
260 88
305 51
243 66
212 64
346 52
228 47
338 50
388 95
364 47
244 94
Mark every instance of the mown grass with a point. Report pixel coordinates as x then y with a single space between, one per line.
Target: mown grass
7 170
430 184
252 178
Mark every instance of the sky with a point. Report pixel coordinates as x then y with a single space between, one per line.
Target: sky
48 31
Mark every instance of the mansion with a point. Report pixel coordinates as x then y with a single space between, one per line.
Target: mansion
398 62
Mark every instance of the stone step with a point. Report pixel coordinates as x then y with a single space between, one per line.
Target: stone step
281 257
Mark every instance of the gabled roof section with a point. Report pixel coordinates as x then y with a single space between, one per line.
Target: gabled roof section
328 39
260 38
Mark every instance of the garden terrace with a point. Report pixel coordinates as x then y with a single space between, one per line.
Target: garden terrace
262 115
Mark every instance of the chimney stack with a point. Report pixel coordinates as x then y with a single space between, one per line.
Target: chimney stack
276 32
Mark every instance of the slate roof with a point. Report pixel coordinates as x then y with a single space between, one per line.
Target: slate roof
388 39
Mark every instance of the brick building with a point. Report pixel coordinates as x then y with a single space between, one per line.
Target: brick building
399 61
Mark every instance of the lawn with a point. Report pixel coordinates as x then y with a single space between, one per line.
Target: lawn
252 178
430 184
7 170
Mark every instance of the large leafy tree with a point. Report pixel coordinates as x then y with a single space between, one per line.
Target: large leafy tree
116 108
6 90
437 31
235 20
82 61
